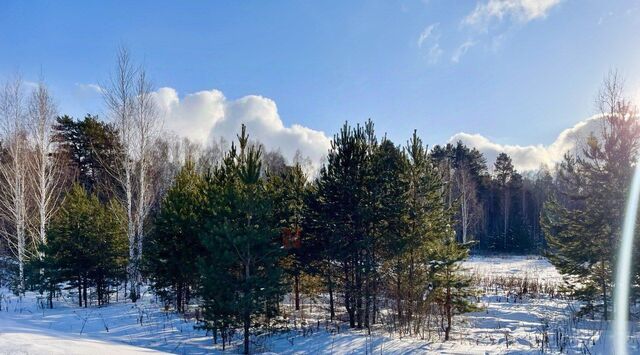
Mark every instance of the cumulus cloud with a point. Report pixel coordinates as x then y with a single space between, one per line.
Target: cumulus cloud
532 157
192 116
521 11
207 115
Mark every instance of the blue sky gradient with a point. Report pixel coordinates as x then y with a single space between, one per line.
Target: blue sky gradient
521 81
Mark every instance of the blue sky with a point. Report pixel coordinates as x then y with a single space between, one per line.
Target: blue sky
531 68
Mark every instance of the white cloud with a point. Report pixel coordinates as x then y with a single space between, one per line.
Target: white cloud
429 31
431 37
531 157
482 22
206 115
462 50
521 11
194 115
434 53
93 88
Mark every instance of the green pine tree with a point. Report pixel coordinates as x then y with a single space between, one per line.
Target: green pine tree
173 247
425 203
86 247
240 274
288 188
582 221
342 195
452 289
388 215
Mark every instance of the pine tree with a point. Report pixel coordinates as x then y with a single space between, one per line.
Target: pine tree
425 202
387 215
174 245
288 188
86 246
89 149
504 172
317 241
582 221
241 280
452 289
342 194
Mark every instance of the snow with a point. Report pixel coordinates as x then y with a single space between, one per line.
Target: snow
18 338
511 321
531 266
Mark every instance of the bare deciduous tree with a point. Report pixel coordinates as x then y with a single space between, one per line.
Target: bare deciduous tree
468 200
132 108
13 171
119 98
46 178
147 126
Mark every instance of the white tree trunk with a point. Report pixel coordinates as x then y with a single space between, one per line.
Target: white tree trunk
14 172
119 98
133 108
468 200
147 126
46 176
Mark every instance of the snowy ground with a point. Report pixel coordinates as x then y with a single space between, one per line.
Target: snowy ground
512 321
521 266
20 338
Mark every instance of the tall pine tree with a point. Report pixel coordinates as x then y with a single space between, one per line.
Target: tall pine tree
240 275
583 220
174 245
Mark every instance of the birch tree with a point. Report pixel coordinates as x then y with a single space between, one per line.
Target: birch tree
119 97
468 200
146 127
13 172
46 177
132 108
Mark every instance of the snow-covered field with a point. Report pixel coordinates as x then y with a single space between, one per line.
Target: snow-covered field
520 309
532 266
21 338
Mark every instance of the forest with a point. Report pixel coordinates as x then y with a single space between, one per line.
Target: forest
105 209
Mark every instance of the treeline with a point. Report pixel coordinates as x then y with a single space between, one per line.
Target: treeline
500 208
229 231
372 229
102 209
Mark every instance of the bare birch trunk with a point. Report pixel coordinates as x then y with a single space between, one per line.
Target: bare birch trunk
147 127
14 171
47 177
119 96
132 106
